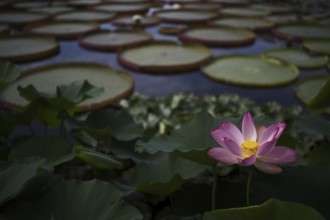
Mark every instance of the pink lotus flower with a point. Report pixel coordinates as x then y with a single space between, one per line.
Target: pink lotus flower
252 146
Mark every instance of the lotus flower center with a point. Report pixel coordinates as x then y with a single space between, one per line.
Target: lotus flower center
249 148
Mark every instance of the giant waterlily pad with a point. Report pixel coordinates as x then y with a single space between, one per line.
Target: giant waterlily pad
84 3
62 29
123 8
298 57
302 30
255 24
85 15
244 12
274 9
51 10
185 16
27 47
318 45
29 4
201 6
20 18
251 70
307 88
111 40
282 19
45 79
217 36
130 21
164 57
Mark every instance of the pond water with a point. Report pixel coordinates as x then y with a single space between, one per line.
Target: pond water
156 85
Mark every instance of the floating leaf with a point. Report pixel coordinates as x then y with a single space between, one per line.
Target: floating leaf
8 73
55 150
97 159
271 210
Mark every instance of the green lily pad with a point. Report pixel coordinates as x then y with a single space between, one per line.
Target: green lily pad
164 57
272 210
29 4
255 24
318 45
217 36
298 57
185 16
274 8
299 31
281 19
322 100
115 84
20 18
112 40
244 12
85 15
320 154
201 6
62 29
22 48
51 10
250 70
123 8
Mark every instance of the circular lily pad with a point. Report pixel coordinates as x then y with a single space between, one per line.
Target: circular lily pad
201 6
298 57
85 15
62 29
45 79
130 21
19 48
282 19
29 4
4 29
255 24
123 8
20 18
217 36
164 57
84 3
274 9
307 88
301 31
318 45
250 70
244 12
51 10
231 2
112 40
185 16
